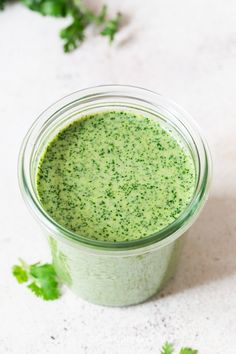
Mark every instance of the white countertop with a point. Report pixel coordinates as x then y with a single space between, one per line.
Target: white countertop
187 51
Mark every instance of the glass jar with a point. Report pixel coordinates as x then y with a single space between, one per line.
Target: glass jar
102 272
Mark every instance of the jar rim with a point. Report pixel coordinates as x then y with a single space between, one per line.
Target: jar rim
168 233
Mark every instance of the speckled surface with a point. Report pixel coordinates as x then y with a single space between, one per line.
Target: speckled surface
187 51
115 177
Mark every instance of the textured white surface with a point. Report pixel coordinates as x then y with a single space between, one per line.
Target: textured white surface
185 50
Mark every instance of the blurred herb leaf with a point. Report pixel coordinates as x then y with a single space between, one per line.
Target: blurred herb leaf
56 8
111 27
188 351
168 348
41 279
2 4
20 274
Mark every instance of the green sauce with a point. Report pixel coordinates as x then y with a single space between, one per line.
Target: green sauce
115 176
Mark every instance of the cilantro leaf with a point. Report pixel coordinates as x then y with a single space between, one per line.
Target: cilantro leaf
73 35
111 27
188 351
167 348
20 274
35 289
45 284
58 8
41 279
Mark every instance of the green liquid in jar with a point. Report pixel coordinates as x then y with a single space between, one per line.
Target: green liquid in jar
115 176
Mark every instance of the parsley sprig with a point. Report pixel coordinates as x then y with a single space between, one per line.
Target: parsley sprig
41 279
81 17
169 349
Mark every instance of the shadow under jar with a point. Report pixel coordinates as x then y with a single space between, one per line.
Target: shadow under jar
118 272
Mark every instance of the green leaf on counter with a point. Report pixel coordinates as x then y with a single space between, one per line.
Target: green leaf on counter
188 351
167 348
111 27
41 279
20 274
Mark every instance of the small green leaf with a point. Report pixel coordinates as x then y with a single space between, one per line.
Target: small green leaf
188 351
20 274
41 278
42 271
111 27
167 348
36 289
45 280
58 8
73 36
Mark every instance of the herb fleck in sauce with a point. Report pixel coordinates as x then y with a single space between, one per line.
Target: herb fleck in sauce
115 176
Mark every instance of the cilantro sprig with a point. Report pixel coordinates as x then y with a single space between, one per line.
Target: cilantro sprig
41 279
168 348
81 17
